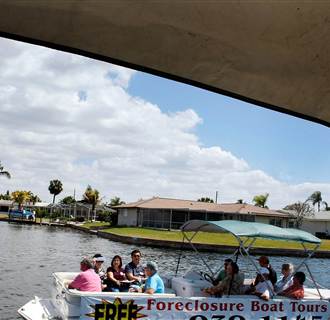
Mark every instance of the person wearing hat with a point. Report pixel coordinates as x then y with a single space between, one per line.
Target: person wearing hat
264 288
154 283
264 263
87 280
98 260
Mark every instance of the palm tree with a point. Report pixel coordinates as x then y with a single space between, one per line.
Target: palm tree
34 198
55 188
316 198
92 196
116 202
4 173
21 197
260 200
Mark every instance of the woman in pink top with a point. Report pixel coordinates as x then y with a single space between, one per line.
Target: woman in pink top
87 280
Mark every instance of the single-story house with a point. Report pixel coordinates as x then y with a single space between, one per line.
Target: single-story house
318 224
168 213
79 209
5 205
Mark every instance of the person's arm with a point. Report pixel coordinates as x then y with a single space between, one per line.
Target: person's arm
76 283
129 274
150 286
150 290
112 278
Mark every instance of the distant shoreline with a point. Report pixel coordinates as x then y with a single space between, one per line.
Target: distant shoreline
176 245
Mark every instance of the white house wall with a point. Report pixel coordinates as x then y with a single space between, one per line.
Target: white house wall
315 226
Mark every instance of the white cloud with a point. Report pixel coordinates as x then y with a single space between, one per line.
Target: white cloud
71 118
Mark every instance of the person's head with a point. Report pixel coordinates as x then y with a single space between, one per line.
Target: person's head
263 274
86 264
287 269
227 262
150 268
232 268
136 256
263 261
116 262
299 278
98 260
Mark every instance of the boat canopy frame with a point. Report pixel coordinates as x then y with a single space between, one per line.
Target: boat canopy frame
246 233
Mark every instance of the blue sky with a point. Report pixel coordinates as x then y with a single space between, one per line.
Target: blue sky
290 149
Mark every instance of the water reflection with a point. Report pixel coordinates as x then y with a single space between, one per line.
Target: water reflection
29 255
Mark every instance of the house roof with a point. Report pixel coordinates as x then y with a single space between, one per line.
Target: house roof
319 216
179 204
6 202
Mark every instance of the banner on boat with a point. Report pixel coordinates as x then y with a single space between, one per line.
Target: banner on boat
115 308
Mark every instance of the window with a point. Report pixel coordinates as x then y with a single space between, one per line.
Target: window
276 222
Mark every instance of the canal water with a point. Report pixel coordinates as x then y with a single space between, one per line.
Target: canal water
29 254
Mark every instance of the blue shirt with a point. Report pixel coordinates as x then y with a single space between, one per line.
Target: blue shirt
155 282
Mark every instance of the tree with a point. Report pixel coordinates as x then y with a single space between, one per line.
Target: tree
260 200
92 196
21 197
300 210
326 207
68 200
34 198
240 201
115 201
3 172
5 196
205 199
55 188
316 198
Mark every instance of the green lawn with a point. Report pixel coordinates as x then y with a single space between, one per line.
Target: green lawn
206 238
95 224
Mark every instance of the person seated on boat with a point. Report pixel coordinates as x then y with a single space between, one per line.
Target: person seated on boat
264 263
98 261
263 288
287 278
115 276
154 283
134 270
231 284
296 290
87 280
222 274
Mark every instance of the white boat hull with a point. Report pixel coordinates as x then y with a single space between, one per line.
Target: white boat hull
187 303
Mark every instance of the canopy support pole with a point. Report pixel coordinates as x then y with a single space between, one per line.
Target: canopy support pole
194 248
232 256
180 255
309 255
254 264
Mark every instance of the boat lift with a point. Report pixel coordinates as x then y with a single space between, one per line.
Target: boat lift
246 233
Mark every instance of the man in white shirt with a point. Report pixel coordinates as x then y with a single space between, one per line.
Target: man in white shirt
264 288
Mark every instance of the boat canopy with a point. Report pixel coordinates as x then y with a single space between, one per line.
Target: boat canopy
250 230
